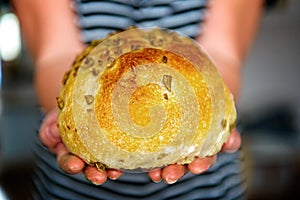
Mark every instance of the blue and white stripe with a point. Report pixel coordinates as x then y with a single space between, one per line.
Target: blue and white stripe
98 18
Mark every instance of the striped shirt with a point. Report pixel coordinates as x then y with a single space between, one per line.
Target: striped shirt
224 180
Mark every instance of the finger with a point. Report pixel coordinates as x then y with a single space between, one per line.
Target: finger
233 143
155 175
201 165
114 174
49 134
94 175
69 163
172 173
50 138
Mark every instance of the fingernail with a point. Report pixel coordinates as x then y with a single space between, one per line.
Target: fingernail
113 178
200 170
170 181
93 182
53 131
157 181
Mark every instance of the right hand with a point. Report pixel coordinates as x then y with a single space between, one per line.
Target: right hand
69 163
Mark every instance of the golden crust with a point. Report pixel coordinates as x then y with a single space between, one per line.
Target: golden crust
66 123
144 99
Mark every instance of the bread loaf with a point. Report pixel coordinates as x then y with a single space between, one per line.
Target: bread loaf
144 98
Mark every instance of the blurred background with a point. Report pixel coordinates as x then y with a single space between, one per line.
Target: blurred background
269 107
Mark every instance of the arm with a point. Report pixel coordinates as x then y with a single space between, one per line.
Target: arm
53 41
228 34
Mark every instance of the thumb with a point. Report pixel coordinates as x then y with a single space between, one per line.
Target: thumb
233 143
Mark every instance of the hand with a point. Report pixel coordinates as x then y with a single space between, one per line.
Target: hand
71 164
172 173
49 136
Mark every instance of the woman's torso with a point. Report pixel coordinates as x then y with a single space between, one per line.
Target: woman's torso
97 19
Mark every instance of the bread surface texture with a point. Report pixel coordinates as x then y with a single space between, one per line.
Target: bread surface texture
144 98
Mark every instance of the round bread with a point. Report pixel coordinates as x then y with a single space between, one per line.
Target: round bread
144 98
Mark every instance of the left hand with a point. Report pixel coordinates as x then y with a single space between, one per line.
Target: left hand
172 173
70 163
